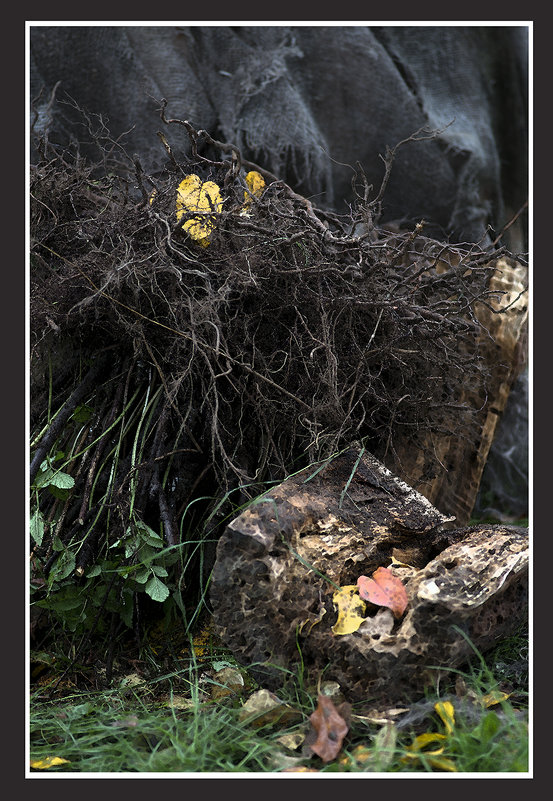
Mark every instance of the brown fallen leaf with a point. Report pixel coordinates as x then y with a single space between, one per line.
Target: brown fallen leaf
384 589
330 727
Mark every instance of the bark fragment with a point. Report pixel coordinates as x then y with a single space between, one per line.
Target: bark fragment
504 320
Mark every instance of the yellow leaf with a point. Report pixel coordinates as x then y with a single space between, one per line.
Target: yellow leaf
180 702
256 185
204 197
446 711
442 763
494 697
416 752
48 762
360 755
351 609
423 740
292 741
398 562
311 622
300 769
201 641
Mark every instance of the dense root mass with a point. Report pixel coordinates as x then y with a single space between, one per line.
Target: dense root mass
173 379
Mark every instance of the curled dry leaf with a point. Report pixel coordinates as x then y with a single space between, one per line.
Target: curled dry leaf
433 757
229 681
263 708
446 711
292 740
495 697
384 589
380 718
330 728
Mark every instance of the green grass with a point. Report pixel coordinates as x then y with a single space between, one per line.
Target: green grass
494 745
111 735
171 724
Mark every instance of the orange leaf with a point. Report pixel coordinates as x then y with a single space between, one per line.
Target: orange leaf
384 589
330 727
299 769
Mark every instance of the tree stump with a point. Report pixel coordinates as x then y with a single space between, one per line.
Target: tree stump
503 346
280 562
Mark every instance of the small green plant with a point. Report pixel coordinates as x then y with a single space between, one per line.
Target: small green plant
494 745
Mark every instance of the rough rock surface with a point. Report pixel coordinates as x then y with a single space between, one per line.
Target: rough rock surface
279 563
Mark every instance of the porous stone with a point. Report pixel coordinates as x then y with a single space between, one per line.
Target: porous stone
279 563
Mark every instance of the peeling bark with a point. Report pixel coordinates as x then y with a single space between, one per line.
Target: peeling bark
503 347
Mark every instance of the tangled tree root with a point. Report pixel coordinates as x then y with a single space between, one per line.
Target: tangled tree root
174 379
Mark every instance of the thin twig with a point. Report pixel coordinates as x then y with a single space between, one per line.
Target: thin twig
69 407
